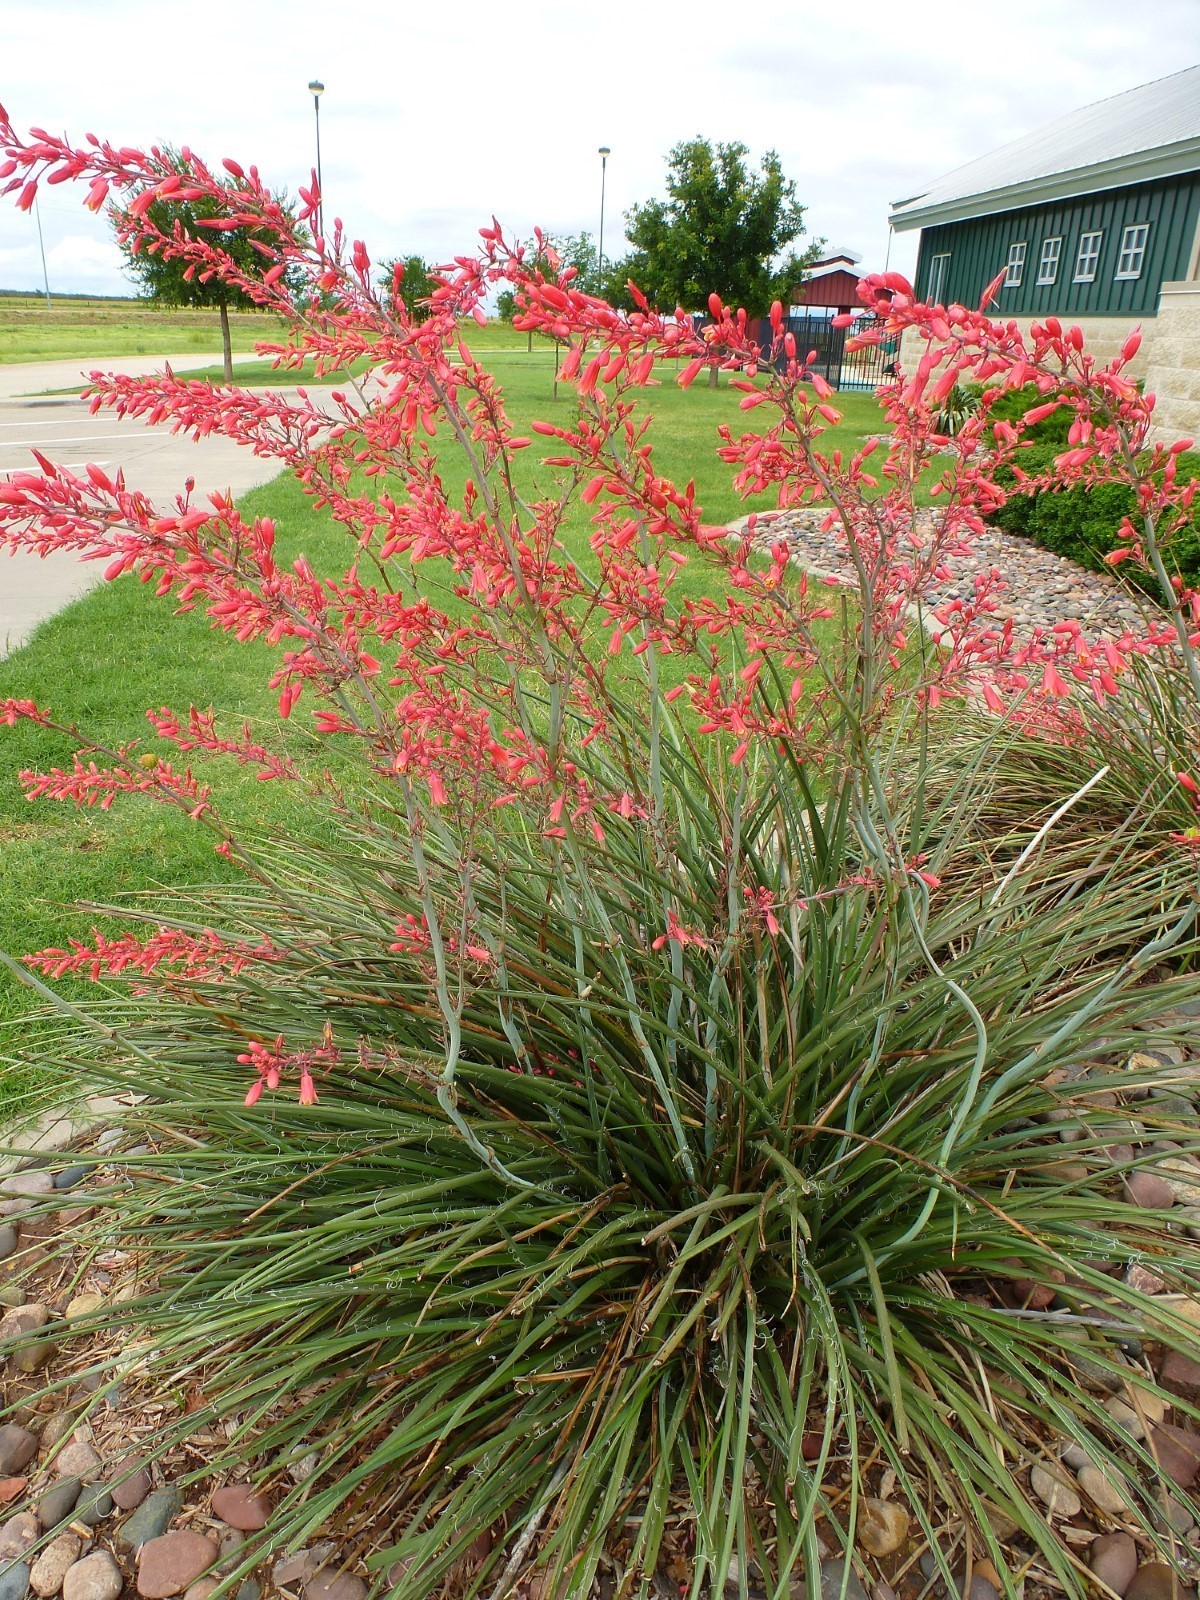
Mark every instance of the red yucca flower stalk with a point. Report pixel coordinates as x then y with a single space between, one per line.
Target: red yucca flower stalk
672 1145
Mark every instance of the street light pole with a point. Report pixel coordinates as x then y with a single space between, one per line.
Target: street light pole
316 88
604 153
42 247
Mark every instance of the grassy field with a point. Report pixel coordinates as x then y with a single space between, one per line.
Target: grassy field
103 661
113 327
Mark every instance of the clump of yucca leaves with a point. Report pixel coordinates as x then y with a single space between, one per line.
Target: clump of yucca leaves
753 1203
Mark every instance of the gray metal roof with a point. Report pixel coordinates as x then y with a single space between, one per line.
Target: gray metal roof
1146 133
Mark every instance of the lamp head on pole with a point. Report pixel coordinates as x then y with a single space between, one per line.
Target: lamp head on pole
604 151
316 88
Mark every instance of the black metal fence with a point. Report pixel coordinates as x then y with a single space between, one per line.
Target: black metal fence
864 368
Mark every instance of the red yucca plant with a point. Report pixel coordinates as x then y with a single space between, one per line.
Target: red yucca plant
626 1124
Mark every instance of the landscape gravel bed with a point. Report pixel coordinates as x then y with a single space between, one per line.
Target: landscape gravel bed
1042 588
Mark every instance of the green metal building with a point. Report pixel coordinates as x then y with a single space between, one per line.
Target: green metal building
1087 218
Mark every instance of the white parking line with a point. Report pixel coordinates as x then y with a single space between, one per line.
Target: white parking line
51 422
67 466
66 438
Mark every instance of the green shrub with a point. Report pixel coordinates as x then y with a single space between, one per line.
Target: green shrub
1082 523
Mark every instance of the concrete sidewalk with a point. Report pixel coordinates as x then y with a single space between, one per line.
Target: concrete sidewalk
61 427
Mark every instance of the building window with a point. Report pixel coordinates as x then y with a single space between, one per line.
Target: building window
1133 250
939 267
1048 265
1015 269
1088 258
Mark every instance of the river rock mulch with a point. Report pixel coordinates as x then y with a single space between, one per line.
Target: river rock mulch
94 1507
1042 588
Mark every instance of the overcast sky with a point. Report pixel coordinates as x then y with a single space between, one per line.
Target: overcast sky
439 114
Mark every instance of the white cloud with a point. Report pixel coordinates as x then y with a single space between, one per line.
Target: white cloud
434 118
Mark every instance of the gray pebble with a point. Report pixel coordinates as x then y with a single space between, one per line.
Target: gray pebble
249 1589
10 1238
151 1519
833 1574
93 1506
14 1580
70 1176
17 1449
57 1503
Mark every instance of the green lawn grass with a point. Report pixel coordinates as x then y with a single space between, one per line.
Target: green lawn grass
75 328
117 651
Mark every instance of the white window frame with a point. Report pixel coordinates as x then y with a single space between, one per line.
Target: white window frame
1131 257
1014 269
1049 260
1087 257
939 271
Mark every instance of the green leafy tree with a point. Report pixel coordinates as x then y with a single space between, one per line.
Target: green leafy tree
506 305
723 228
169 281
416 284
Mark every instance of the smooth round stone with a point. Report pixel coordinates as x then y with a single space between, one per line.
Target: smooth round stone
1157 1581
29 1184
1179 1373
48 1571
833 1577
18 1534
93 1505
58 1502
77 1460
70 1176
1178 1453
14 1581
96 1577
152 1517
84 1305
329 1584
1142 1280
249 1589
1054 1489
1102 1491
17 1449
882 1526
129 1483
241 1507
201 1589
1125 1417
171 1563
1176 1516
56 1430
1114 1558
33 1357
10 1238
296 1568
230 1546
22 1319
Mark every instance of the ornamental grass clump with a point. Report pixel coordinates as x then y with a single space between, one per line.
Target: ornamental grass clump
643 1120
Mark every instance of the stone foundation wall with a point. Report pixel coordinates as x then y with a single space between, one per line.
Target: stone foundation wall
1168 361
1173 364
